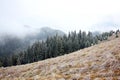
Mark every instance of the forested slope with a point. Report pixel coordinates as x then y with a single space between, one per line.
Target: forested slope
98 62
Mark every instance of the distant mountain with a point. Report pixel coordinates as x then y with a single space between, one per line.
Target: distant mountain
42 34
10 44
45 32
95 33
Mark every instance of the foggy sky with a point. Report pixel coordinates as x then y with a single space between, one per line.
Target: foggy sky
26 16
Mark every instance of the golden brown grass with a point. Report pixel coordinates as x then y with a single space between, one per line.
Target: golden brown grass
99 62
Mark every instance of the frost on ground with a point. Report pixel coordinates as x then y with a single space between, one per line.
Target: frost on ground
99 62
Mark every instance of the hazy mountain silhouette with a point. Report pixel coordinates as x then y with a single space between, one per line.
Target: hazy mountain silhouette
10 44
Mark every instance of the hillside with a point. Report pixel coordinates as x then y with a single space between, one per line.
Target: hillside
99 62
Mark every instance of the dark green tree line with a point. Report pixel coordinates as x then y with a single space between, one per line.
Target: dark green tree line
55 46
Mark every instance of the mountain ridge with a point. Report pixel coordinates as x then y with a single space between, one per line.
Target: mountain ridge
98 62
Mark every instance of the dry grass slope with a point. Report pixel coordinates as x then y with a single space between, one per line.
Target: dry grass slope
99 62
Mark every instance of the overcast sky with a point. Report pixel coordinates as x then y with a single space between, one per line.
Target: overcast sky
21 16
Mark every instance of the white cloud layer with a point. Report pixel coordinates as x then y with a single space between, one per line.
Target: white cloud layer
66 15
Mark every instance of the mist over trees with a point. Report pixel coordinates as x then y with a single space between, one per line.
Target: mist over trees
55 46
11 44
